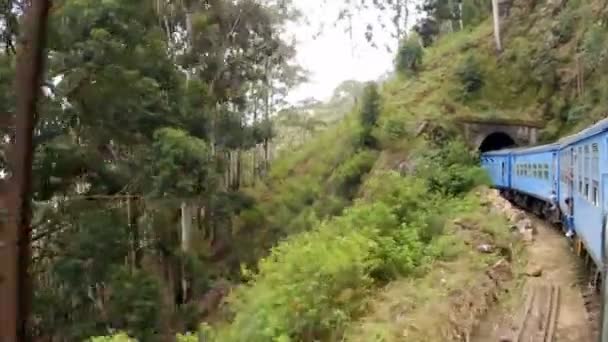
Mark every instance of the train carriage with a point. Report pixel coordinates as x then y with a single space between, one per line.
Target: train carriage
535 171
573 171
497 164
584 181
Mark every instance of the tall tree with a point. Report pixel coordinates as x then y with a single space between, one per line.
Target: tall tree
143 99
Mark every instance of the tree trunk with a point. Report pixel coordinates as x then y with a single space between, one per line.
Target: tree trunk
460 16
238 169
133 218
186 231
496 17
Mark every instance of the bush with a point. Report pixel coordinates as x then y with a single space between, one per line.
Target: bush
312 283
452 170
405 196
369 114
409 56
121 337
394 129
564 30
188 337
470 76
135 303
347 177
594 46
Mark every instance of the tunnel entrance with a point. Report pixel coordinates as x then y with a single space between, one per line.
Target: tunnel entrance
496 141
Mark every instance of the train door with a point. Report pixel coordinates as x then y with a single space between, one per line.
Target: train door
570 173
503 174
554 173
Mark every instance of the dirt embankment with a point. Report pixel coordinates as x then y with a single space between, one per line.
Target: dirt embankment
484 255
551 264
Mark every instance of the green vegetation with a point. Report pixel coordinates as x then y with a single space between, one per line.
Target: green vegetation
313 283
156 192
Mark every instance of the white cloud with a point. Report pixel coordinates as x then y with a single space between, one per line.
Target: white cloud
333 57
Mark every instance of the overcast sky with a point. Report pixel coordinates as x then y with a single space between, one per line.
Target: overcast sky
332 57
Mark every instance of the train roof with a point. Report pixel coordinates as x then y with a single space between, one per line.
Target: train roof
523 150
592 130
496 152
536 149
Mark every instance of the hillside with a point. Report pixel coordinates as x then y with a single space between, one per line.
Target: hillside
159 207
548 71
551 69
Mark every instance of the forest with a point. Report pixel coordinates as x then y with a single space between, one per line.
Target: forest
177 194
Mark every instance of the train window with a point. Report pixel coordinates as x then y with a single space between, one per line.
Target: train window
595 193
579 166
587 168
546 172
595 164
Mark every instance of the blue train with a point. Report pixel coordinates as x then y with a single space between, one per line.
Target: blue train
566 181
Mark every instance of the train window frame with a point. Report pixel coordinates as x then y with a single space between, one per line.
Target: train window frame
579 169
595 193
587 172
595 162
546 172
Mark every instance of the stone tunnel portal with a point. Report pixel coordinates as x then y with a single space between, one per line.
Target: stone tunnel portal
496 141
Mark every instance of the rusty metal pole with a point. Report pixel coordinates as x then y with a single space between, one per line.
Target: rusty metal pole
15 283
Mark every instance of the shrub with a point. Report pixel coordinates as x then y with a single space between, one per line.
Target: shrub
393 129
594 46
313 282
405 196
451 170
135 303
564 29
369 114
347 177
188 337
409 56
121 337
470 76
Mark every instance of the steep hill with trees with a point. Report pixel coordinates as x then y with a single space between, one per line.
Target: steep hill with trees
155 193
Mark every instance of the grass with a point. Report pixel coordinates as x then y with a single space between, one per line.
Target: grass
450 299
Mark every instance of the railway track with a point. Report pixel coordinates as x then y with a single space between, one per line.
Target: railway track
592 300
538 321
592 307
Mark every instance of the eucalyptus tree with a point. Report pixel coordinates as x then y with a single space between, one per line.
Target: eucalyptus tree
141 98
